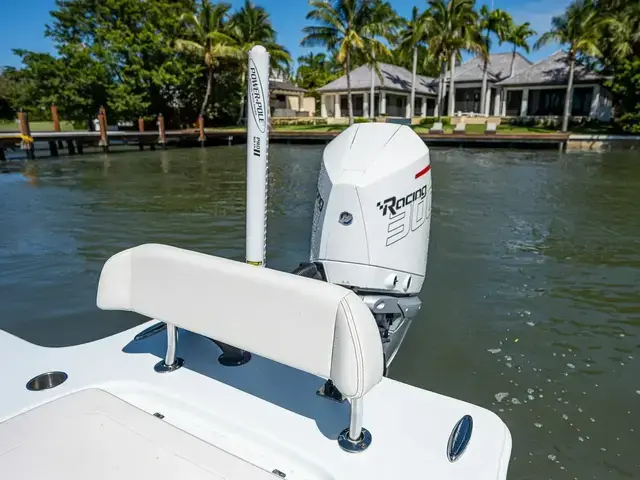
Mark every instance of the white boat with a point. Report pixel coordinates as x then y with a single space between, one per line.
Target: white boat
310 400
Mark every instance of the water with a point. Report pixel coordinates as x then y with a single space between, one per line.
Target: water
531 300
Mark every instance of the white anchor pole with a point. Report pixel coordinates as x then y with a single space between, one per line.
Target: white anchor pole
257 154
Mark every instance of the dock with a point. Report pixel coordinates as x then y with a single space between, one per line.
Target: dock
74 142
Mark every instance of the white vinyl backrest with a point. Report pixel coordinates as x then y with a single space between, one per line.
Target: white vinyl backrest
307 324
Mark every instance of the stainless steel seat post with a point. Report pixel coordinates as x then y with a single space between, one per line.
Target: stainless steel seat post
171 362
356 438
355 422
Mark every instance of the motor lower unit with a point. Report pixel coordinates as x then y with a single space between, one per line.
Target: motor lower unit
372 219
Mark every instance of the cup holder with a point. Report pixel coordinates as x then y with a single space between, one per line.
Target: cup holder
45 381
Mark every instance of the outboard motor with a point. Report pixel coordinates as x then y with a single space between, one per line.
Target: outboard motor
372 220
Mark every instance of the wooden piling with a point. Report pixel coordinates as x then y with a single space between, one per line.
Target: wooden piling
71 147
80 146
162 137
55 118
102 122
56 124
25 133
53 148
202 137
140 129
3 158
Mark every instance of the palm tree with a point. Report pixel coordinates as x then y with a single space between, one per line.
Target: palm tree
455 21
622 38
314 71
208 37
385 15
438 52
411 37
348 26
251 26
579 28
519 36
500 23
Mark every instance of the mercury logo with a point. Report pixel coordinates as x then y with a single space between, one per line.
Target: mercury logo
256 98
394 204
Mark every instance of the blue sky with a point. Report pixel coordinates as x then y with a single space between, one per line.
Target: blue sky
288 17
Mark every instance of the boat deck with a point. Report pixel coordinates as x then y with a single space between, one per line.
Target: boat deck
263 412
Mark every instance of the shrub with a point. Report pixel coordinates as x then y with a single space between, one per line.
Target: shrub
361 120
298 121
429 121
630 122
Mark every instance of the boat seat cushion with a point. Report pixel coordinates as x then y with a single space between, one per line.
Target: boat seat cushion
92 434
310 325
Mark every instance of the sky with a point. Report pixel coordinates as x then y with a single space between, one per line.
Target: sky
288 18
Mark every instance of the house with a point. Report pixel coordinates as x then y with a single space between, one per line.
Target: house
288 100
468 83
540 91
533 90
392 93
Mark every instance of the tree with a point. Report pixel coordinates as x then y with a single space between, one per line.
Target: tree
580 29
499 23
126 47
413 34
619 47
439 52
456 24
348 26
314 71
77 84
251 26
209 38
519 36
8 91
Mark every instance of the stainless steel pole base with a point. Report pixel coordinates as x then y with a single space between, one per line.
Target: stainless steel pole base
354 446
162 367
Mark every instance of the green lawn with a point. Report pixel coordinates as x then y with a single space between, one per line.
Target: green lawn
420 129
310 128
9 126
473 129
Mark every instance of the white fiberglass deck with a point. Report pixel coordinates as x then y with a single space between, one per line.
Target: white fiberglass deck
263 412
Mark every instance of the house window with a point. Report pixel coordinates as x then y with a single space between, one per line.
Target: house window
582 97
514 102
551 101
467 100
344 105
357 102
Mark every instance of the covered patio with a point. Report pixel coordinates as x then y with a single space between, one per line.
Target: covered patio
392 94
385 103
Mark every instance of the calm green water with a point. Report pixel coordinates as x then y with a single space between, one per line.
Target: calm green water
531 293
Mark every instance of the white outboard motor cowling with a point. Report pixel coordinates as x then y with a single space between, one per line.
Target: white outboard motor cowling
372 219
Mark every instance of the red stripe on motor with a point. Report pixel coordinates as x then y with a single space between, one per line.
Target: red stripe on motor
423 171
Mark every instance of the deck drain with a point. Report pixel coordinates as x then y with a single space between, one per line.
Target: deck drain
45 381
